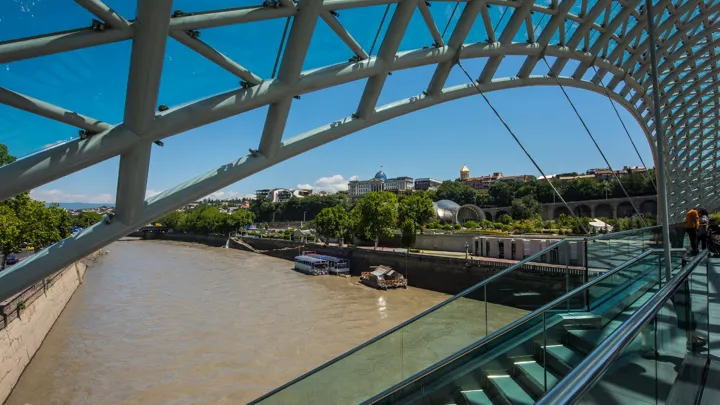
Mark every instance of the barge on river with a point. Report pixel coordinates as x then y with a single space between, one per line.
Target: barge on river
382 278
311 265
336 266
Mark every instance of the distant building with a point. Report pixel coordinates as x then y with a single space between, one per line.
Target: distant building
358 188
280 195
484 182
427 184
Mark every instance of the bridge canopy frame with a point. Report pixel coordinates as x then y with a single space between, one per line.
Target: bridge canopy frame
603 43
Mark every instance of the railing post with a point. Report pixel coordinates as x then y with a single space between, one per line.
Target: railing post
586 275
660 144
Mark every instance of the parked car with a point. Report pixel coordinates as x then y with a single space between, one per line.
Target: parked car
11 259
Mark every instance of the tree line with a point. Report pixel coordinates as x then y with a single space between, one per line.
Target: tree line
206 219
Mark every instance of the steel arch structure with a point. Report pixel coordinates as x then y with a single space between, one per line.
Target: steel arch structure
603 44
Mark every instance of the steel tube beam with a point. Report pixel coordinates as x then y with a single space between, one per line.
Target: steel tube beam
216 57
660 166
47 110
344 35
60 42
105 13
146 63
430 23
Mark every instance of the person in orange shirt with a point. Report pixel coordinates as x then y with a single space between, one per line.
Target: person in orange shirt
692 224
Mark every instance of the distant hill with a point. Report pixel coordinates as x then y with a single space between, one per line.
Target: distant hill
81 205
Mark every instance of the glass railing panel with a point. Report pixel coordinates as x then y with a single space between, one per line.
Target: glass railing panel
635 377
624 285
607 251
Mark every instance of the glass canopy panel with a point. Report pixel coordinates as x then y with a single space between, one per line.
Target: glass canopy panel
20 19
500 15
326 47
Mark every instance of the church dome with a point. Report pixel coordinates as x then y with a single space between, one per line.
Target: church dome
380 176
464 169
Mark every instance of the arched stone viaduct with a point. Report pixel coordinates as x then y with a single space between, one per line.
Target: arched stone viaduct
605 208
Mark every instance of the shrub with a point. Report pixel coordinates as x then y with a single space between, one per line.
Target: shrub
471 225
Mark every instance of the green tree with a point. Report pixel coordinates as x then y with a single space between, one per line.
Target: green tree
526 207
417 208
240 219
10 233
409 232
54 225
173 220
333 222
501 193
5 157
87 219
376 215
471 224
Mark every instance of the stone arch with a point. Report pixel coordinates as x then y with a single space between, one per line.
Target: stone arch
625 210
603 211
500 213
488 215
648 207
470 212
583 210
560 210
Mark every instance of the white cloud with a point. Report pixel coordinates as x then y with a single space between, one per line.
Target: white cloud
55 195
330 184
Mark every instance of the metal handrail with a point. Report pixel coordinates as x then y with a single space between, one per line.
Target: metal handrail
416 317
589 372
508 328
623 233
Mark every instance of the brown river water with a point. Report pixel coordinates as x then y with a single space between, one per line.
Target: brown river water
175 323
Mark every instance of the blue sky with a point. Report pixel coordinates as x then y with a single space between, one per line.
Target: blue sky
431 143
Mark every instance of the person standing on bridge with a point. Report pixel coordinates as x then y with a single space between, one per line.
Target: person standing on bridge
692 224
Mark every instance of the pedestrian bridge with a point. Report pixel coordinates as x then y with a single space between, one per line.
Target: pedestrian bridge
655 59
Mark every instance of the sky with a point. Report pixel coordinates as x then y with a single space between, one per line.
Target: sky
435 142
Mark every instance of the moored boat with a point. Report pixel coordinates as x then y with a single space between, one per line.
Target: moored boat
382 278
336 266
311 265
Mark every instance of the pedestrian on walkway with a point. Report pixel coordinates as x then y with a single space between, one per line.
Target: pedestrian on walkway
692 224
703 233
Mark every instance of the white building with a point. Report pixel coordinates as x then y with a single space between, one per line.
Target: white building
380 182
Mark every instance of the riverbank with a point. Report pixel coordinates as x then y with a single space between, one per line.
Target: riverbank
27 318
531 286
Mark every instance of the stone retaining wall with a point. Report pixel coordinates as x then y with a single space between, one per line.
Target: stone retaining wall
28 317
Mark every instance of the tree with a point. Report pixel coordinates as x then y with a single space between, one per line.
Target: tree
376 215
409 233
55 225
5 157
173 220
525 208
240 219
501 193
333 222
417 208
10 233
87 219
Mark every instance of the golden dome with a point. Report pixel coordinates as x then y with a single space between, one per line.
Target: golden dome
464 169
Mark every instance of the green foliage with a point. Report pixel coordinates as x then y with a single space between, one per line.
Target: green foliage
375 215
505 219
10 232
526 207
409 232
333 222
5 157
206 220
298 209
471 225
87 219
417 208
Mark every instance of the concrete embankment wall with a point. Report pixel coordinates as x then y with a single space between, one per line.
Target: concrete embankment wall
530 287
28 317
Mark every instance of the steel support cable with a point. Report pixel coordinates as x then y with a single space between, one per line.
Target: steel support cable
377 34
517 140
280 48
617 113
499 21
450 20
582 121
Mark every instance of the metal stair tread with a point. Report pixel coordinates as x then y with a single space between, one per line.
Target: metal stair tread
511 390
536 372
476 397
565 354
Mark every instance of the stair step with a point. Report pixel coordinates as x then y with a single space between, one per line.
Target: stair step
476 397
532 376
562 359
509 391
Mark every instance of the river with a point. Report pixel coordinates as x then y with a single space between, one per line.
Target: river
175 323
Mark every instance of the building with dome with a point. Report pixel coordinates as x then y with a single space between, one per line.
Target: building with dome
464 173
358 188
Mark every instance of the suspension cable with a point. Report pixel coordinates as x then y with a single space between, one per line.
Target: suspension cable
377 34
617 113
582 121
280 48
517 140
450 20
